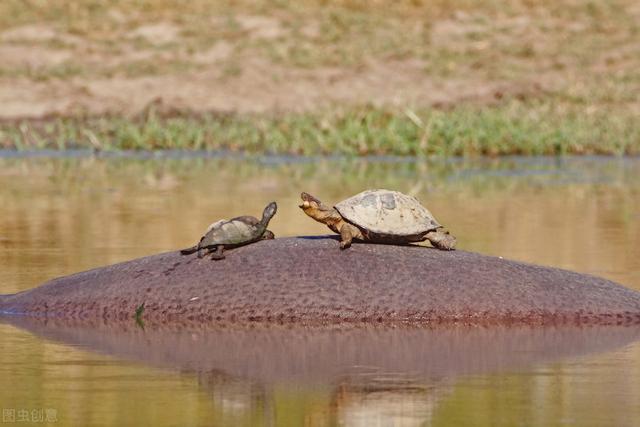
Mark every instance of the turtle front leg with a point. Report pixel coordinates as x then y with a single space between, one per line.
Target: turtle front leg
442 240
347 234
218 253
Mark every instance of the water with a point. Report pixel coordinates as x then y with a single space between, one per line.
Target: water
67 214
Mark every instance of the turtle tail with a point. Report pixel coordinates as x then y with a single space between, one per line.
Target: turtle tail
190 250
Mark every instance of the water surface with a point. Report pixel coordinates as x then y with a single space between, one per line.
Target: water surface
67 214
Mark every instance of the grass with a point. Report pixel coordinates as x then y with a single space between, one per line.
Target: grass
582 54
515 127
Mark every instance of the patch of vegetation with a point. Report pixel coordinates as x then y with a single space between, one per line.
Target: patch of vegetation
65 70
138 316
514 127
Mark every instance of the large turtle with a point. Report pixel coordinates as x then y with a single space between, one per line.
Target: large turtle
232 233
381 216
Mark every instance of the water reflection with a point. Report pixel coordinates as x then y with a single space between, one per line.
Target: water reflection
386 400
352 377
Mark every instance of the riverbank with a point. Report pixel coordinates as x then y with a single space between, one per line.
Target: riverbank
515 128
338 77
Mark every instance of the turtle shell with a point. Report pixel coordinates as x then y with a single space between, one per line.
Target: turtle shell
387 212
235 231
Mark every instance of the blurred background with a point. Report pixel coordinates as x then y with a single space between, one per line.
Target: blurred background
315 77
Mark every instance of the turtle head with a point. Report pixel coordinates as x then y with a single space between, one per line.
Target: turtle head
318 210
269 212
309 202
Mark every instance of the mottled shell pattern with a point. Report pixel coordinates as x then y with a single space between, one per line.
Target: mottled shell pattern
229 232
387 212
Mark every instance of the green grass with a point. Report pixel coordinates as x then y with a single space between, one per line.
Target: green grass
515 127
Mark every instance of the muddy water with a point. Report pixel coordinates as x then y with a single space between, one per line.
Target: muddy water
62 215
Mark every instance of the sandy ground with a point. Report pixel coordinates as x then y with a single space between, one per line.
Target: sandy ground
257 84
49 70
263 87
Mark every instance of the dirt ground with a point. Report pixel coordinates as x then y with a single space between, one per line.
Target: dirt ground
283 61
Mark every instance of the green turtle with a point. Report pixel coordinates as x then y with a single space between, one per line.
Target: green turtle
381 216
232 233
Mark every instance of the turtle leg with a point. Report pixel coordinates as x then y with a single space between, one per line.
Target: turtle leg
267 235
441 240
205 250
190 250
218 253
346 236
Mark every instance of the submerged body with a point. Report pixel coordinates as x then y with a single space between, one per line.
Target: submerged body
239 231
309 282
381 216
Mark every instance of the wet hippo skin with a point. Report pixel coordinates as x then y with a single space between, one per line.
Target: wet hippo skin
308 280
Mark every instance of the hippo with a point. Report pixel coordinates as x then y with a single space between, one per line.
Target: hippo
305 281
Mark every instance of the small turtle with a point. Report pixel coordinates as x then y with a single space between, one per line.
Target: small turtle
381 216
232 233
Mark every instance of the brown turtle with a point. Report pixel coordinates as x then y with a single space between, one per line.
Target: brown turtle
381 216
232 233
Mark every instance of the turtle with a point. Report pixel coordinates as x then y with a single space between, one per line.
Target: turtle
232 233
380 216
